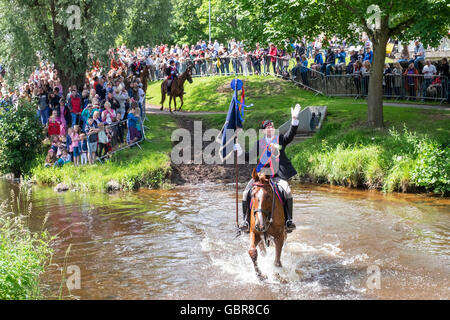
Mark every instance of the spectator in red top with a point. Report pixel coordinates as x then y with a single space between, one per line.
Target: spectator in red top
273 53
75 108
54 125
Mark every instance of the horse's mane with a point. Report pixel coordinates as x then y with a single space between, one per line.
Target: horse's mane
261 178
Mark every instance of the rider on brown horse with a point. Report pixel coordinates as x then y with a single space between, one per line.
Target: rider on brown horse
172 73
281 172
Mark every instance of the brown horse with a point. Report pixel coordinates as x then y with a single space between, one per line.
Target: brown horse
266 220
176 90
144 77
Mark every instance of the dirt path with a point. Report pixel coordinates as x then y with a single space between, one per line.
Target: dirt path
202 173
154 109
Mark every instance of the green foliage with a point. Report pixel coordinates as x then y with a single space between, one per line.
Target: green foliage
147 23
190 21
42 26
432 169
21 134
23 254
391 161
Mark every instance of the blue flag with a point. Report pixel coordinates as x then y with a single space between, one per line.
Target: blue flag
235 118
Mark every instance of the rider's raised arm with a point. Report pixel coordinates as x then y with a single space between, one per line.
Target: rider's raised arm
287 138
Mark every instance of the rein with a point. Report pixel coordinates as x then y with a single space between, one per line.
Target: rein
273 204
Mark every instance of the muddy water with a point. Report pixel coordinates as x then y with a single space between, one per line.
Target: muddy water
180 244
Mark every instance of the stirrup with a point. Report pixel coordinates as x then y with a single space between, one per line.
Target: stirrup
290 226
245 227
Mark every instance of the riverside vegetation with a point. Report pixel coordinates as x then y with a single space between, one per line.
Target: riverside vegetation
24 255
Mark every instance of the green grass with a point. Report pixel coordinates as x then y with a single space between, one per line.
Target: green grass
410 154
23 254
131 168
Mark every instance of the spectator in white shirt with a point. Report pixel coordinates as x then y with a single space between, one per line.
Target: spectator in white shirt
428 73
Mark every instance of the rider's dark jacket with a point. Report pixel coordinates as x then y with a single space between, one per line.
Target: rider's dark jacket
171 72
285 168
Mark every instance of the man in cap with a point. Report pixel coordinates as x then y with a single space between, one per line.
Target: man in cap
271 153
172 73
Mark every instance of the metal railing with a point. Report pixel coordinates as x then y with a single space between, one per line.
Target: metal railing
119 138
338 82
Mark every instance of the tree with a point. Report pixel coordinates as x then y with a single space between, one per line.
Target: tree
20 137
66 33
148 22
426 20
191 21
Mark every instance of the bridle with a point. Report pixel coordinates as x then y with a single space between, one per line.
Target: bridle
269 214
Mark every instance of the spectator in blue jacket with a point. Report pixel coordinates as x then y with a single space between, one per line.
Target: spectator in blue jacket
318 60
368 56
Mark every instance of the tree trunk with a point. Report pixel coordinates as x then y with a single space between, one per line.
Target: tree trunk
375 94
69 79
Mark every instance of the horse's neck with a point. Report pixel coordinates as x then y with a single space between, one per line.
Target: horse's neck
181 80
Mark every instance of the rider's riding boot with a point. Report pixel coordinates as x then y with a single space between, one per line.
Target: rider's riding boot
245 226
290 226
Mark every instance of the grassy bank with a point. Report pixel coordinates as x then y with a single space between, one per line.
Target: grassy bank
131 168
23 255
411 154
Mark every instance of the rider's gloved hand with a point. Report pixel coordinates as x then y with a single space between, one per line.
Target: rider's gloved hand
295 112
237 147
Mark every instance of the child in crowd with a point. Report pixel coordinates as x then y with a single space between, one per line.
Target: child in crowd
63 112
54 125
69 141
75 137
92 131
65 158
134 134
102 140
62 145
50 160
83 149
55 143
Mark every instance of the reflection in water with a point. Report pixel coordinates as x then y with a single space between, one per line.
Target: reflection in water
180 244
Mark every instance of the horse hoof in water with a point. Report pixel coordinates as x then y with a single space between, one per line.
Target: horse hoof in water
278 264
262 277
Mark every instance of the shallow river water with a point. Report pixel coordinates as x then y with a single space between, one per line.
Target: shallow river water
180 244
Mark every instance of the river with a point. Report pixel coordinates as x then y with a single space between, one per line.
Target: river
180 244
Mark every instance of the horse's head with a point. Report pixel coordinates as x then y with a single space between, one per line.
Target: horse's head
262 201
189 73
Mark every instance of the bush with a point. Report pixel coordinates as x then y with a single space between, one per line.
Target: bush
432 169
23 255
21 135
392 160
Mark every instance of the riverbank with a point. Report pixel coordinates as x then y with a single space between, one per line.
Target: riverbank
411 154
24 255
129 169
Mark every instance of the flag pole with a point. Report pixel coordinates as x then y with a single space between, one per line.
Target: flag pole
236 168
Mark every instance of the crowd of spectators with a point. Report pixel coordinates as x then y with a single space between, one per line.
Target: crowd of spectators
89 121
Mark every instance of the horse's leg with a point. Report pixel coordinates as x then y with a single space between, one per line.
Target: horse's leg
279 240
175 103
254 240
170 103
163 94
262 247
182 102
